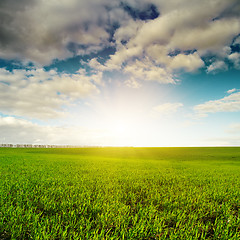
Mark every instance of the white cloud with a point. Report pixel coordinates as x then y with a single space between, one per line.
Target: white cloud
222 141
19 131
132 83
235 58
122 55
231 90
234 128
217 66
211 36
190 63
93 63
182 26
230 103
231 138
148 71
167 108
40 94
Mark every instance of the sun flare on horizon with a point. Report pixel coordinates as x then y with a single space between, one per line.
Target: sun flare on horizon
121 129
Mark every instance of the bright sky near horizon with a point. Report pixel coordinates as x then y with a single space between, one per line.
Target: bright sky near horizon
120 73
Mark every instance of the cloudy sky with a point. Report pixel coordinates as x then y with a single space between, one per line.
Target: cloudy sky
120 73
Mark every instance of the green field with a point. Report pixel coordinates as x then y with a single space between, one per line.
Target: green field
120 193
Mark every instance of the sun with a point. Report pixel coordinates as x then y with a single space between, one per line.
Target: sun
122 118
119 129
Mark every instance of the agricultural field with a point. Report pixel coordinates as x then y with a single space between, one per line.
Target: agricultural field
120 193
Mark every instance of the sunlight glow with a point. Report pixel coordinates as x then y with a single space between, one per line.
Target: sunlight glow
120 129
129 120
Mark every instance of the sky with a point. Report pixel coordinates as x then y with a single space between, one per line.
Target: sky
150 73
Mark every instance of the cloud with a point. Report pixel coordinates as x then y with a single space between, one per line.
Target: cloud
143 11
230 103
148 71
41 94
222 141
217 66
237 41
190 63
192 28
127 31
234 128
20 131
212 35
93 63
132 83
15 130
167 108
231 138
235 58
231 90
41 31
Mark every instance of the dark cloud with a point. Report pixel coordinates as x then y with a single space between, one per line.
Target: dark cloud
10 31
15 5
40 31
149 11
232 10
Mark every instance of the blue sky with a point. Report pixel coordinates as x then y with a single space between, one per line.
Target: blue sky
120 73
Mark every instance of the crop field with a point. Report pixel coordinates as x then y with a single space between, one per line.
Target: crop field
120 193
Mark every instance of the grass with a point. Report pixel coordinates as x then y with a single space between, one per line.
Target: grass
120 193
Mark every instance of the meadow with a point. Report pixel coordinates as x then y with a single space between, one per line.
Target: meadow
120 193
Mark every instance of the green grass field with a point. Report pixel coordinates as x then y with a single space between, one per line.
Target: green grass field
120 193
